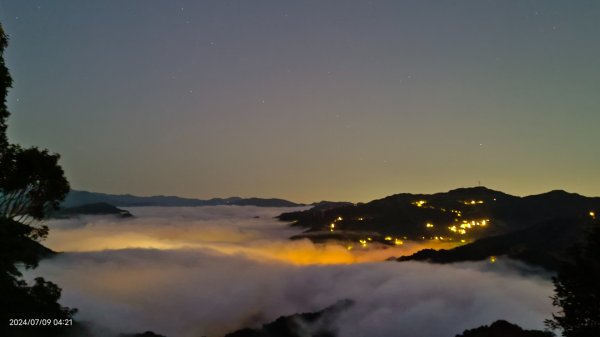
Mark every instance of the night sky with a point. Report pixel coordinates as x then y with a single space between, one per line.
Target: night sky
309 100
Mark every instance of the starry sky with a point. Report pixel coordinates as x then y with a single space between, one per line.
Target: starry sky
309 100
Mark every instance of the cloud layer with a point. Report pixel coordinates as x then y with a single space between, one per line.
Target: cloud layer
251 231
207 271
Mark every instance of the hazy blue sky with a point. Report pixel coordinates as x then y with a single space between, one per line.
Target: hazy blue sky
309 100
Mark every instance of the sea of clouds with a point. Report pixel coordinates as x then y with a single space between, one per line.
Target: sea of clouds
206 271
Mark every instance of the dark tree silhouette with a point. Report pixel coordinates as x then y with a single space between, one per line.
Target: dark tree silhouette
31 181
5 84
31 184
577 291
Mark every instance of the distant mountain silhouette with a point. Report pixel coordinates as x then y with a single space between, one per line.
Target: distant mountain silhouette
314 324
99 208
78 198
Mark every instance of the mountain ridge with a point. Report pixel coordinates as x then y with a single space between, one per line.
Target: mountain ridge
481 222
78 198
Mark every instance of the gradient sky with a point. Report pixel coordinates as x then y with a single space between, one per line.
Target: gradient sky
309 100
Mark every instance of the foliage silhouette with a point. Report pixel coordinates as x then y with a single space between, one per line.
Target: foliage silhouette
5 84
31 184
577 291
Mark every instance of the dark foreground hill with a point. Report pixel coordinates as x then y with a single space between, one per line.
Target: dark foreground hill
314 324
545 244
144 334
321 324
504 329
78 198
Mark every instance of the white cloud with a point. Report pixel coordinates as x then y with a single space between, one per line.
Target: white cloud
217 269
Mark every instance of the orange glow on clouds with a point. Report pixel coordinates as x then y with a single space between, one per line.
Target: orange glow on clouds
262 239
